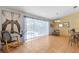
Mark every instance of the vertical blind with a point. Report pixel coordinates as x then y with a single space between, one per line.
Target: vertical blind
34 28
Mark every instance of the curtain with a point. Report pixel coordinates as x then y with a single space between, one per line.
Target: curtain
7 15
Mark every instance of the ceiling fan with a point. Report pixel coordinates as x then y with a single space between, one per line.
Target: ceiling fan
75 6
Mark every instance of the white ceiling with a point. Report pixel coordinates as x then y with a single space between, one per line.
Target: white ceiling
51 12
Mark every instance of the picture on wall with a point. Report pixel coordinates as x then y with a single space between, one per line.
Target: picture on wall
66 24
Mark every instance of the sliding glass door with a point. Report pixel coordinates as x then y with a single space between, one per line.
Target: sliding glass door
34 28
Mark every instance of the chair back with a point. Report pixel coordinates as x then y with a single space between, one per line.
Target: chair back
6 36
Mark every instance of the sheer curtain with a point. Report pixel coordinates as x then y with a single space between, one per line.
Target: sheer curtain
34 28
8 15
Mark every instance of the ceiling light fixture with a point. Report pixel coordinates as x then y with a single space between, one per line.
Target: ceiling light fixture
57 21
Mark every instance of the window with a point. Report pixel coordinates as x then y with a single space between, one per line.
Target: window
34 28
60 25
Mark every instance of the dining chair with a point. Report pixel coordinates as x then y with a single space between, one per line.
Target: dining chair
72 37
